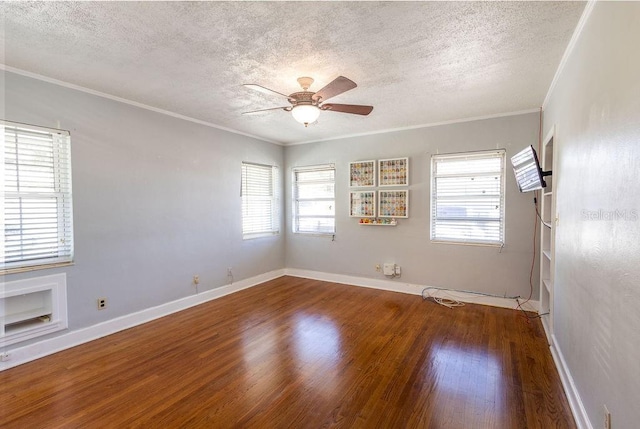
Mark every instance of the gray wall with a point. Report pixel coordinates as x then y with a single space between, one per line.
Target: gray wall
596 109
156 201
357 249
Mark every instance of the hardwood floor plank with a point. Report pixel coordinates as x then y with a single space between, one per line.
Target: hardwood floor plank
299 353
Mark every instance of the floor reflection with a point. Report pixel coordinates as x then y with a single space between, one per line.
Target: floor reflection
309 348
472 376
259 343
262 360
317 350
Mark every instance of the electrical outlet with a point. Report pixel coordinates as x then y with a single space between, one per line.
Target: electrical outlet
4 356
102 303
229 272
607 418
397 270
378 267
389 269
196 280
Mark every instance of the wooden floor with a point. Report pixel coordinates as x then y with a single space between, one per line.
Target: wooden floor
297 353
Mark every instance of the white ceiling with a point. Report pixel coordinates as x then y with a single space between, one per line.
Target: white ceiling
417 63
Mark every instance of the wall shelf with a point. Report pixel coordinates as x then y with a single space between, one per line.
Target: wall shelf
378 222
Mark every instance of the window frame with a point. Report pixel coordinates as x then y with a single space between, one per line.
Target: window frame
273 198
295 199
475 155
60 195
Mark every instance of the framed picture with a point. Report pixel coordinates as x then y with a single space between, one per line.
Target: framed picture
393 203
362 204
362 174
393 172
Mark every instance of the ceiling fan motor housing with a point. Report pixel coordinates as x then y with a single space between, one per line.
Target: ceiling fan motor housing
303 97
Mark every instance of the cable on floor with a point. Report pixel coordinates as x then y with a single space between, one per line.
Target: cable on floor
524 312
449 300
446 302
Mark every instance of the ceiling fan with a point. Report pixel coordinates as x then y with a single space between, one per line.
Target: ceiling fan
306 105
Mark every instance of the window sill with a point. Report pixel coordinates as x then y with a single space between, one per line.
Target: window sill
316 234
466 243
17 270
260 235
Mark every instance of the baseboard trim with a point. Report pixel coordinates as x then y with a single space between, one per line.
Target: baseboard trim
409 288
570 389
47 347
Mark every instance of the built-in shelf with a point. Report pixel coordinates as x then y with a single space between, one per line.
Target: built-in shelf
547 237
32 307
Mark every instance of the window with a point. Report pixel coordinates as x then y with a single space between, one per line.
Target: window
37 209
259 200
467 197
314 209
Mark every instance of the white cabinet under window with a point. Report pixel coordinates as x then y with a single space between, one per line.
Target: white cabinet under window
32 307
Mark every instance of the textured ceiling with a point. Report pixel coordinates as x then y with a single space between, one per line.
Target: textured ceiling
416 62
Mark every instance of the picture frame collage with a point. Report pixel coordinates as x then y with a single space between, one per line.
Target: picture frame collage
381 206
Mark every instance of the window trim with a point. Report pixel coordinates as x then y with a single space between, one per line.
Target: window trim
275 201
294 199
63 194
498 153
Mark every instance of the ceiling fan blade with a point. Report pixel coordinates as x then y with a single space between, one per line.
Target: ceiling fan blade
335 87
286 109
264 90
356 109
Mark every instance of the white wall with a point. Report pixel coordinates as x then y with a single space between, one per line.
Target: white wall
357 249
596 109
156 201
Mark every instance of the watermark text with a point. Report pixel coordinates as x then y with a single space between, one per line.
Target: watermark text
610 215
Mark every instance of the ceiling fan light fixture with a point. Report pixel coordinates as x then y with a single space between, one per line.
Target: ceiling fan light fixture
305 113
306 105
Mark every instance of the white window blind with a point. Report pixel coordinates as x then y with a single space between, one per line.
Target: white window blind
37 207
260 199
467 197
314 199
